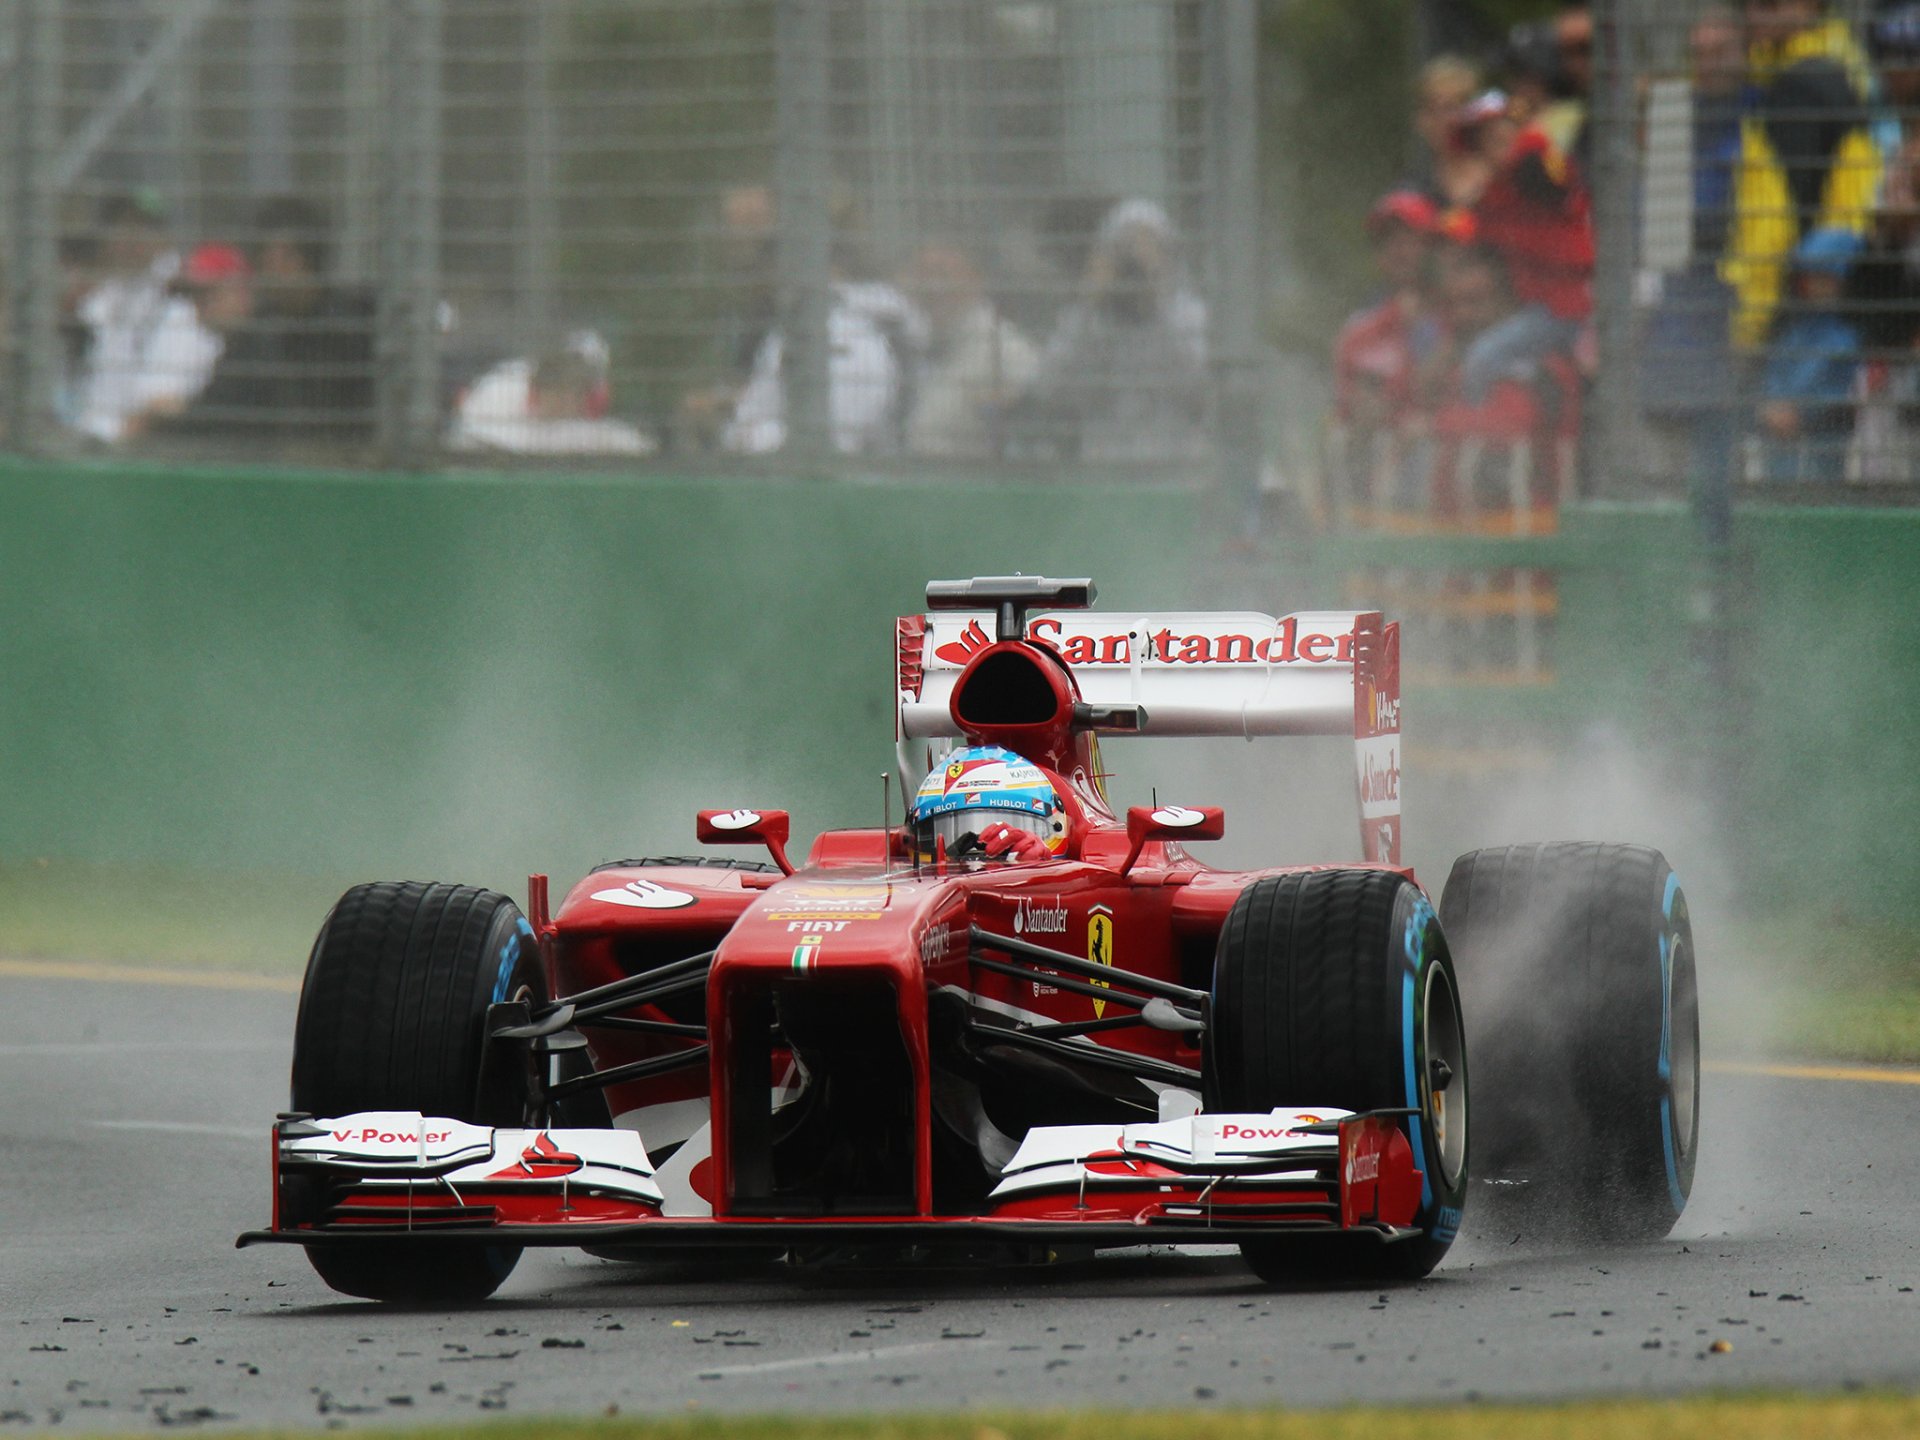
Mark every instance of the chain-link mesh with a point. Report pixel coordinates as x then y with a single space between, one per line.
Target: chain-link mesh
409 231
1759 283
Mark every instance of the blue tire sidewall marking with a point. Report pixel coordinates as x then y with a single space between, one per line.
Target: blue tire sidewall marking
1674 1192
509 956
1414 945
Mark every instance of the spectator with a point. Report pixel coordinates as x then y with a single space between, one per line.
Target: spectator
1893 41
121 313
1123 377
1806 413
303 364
1380 353
1501 397
1807 159
1534 211
1378 348
1685 352
863 384
872 338
1690 390
1445 172
1882 295
1549 70
747 249
556 405
211 299
976 361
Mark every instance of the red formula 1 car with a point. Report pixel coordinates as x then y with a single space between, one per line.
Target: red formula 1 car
1089 1039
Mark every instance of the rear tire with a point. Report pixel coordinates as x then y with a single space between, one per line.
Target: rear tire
1334 988
1577 963
393 1017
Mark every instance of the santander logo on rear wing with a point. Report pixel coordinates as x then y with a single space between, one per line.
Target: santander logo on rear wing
1198 673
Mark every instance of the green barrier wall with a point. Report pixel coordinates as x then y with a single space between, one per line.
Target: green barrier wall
474 675
470 676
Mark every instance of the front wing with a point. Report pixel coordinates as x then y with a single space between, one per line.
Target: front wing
1207 1179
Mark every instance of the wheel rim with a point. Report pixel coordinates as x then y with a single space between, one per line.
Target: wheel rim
1683 1044
1445 1041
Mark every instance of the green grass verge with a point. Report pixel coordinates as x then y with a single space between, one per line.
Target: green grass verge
137 915
1875 1417
1837 988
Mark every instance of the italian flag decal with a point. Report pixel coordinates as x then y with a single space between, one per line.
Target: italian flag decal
806 952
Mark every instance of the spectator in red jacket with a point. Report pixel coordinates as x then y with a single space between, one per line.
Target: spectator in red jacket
1379 347
1535 215
1380 356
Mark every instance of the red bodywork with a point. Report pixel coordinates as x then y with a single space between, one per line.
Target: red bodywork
861 919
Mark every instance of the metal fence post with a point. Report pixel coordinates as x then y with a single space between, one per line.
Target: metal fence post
423 278
801 189
1612 432
270 60
33 269
363 137
408 282
1233 202
539 250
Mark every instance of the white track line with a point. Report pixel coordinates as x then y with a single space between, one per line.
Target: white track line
846 1357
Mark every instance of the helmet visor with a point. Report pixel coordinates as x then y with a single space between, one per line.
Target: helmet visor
956 831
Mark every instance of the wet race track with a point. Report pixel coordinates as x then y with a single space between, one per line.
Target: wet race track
133 1129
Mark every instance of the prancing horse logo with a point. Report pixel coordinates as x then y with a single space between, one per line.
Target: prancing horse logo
1100 947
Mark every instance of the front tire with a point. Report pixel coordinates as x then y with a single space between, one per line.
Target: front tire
1578 965
1335 988
393 1017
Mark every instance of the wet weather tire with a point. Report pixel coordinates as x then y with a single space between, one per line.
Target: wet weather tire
393 1017
1335 988
1577 965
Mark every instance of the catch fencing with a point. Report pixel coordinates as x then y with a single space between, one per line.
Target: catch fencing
1758 229
766 232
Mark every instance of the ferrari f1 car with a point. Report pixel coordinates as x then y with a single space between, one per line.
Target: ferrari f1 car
906 1044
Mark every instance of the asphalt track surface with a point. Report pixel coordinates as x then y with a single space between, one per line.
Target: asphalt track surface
133 1135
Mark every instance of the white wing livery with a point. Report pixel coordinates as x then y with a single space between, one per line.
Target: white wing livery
401 1168
1198 673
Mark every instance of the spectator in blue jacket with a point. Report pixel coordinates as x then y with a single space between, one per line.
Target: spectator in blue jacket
1806 409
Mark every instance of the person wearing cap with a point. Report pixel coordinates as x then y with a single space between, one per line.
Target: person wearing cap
1806 414
121 312
1808 160
302 367
210 298
1378 354
1534 215
1123 377
1535 212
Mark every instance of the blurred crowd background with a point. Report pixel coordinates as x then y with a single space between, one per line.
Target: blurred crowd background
1757 322
1617 248
410 231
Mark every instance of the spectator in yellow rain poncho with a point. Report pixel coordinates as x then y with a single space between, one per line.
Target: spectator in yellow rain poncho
1807 159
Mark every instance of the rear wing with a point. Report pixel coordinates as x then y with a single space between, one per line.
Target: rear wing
1197 673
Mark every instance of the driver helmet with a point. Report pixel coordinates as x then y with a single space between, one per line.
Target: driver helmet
978 785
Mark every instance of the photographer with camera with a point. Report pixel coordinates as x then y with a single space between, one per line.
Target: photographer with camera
1124 376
